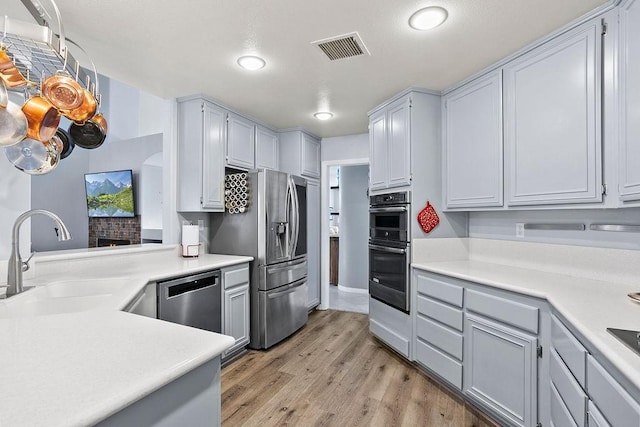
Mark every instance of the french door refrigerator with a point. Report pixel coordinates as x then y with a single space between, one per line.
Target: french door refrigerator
273 230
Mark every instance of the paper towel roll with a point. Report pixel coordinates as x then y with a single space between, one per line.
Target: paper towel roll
190 240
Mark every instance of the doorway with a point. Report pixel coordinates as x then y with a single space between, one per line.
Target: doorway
344 228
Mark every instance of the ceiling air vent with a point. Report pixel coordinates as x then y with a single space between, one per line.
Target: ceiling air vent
344 46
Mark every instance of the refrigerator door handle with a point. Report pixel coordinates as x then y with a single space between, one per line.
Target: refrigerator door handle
296 216
289 289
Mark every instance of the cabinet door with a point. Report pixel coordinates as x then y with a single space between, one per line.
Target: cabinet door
310 156
236 315
399 143
500 370
552 121
213 164
378 161
313 244
629 91
473 144
266 148
240 142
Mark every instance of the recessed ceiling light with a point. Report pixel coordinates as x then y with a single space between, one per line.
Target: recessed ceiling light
251 62
323 115
428 18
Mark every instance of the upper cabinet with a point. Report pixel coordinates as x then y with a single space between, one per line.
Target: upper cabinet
201 142
240 142
472 149
552 121
299 154
629 101
266 148
390 145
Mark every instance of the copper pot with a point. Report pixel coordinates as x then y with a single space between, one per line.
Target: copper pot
91 134
85 111
9 74
64 93
42 117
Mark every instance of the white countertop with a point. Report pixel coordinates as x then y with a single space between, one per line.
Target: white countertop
75 369
589 305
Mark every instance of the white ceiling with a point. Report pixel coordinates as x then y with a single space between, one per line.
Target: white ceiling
175 48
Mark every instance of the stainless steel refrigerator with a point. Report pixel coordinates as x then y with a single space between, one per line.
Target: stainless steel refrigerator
273 230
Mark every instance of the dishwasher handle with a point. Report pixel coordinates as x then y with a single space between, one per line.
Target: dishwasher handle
175 288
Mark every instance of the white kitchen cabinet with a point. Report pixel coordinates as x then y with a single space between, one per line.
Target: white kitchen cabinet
500 369
236 308
629 101
439 326
266 148
472 148
613 401
378 160
313 244
299 153
201 145
240 142
552 121
390 145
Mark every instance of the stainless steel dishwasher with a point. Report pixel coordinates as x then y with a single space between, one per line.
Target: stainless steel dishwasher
192 301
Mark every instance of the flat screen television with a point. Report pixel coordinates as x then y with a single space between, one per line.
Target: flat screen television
110 194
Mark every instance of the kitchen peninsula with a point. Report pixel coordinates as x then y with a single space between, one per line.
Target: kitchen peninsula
82 360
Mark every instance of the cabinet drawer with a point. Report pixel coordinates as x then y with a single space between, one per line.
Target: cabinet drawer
235 276
511 312
439 336
443 365
573 354
443 313
566 385
560 415
439 290
596 419
618 407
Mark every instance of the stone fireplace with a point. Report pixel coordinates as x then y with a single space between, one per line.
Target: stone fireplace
114 231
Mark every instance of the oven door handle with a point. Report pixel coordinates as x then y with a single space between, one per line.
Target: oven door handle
387 249
388 210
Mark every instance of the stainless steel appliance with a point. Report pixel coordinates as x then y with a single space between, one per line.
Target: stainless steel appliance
192 300
390 248
273 230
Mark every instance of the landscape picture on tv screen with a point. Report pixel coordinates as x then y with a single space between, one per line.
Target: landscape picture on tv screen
110 194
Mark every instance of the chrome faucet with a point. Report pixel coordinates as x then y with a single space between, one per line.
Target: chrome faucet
16 265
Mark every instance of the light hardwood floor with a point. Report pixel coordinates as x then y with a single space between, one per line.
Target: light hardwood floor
334 373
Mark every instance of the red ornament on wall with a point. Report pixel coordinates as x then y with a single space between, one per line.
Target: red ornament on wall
428 218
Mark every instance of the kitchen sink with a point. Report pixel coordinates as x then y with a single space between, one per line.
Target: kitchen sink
64 296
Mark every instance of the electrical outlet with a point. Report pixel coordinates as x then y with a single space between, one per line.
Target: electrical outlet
520 230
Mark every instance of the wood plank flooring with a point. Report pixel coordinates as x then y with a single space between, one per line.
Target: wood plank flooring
334 373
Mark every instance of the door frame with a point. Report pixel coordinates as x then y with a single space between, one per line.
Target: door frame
324 223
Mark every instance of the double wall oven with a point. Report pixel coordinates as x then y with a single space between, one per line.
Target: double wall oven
390 248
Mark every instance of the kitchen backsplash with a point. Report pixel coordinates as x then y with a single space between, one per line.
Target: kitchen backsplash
502 225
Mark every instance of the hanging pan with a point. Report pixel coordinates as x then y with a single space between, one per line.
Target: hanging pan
13 123
35 157
91 134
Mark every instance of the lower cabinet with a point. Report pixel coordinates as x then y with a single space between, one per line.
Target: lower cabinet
501 369
236 309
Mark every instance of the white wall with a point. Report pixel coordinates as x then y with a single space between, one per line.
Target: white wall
345 147
502 225
15 198
354 227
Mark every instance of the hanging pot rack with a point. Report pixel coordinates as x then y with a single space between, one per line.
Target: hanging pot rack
38 51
